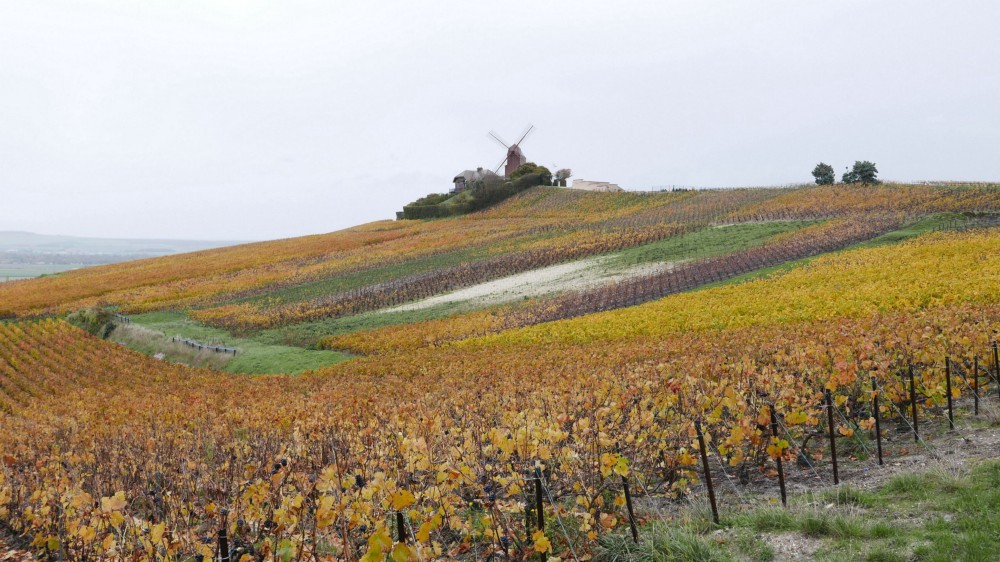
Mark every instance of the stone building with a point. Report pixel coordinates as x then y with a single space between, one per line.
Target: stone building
465 180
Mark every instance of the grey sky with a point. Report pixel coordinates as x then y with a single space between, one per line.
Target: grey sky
255 120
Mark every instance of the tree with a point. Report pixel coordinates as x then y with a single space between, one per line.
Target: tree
561 177
824 174
529 168
864 172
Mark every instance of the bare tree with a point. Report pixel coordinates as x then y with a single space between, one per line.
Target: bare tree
561 177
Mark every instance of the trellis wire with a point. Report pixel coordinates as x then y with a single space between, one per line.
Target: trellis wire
555 508
652 502
788 434
416 543
952 428
871 456
722 465
902 416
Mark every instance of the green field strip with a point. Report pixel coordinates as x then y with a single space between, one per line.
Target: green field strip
254 357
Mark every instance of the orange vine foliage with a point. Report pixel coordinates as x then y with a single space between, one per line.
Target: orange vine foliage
108 453
913 200
213 276
541 226
846 284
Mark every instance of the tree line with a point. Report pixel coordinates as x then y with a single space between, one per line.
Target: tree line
863 172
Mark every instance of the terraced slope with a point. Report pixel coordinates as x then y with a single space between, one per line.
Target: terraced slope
257 286
108 453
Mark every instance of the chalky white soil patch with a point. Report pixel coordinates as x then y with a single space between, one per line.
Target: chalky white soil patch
572 276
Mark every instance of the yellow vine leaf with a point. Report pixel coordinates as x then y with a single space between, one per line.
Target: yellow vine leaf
156 533
403 553
541 542
402 499
114 503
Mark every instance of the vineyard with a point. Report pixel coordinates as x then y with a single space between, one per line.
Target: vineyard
261 286
439 443
630 292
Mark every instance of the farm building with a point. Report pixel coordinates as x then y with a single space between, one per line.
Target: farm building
465 180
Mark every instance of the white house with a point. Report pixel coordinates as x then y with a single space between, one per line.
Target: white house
587 185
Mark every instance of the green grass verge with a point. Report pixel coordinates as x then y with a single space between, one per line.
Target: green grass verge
934 516
661 542
152 342
255 356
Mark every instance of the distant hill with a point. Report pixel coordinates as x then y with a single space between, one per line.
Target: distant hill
27 254
29 242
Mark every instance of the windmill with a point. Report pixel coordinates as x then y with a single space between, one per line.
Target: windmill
514 156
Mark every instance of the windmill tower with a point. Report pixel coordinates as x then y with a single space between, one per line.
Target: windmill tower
515 157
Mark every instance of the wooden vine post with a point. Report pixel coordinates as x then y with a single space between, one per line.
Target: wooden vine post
947 389
708 473
400 527
631 513
538 504
878 423
996 365
529 515
781 472
913 406
224 538
527 520
975 384
833 440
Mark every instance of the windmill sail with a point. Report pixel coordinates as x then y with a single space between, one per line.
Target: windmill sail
515 156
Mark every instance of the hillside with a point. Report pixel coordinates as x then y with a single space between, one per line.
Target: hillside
283 283
556 350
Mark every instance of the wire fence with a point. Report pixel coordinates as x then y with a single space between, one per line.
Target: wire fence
187 341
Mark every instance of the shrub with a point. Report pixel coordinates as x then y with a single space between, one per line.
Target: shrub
431 199
95 321
864 172
824 174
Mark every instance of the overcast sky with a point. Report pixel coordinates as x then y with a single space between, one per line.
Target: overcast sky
257 120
